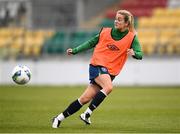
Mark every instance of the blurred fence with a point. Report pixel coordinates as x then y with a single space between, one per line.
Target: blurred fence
74 71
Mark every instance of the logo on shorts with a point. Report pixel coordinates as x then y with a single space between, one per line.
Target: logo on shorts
104 69
112 47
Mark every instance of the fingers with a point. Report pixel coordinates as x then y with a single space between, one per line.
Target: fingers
69 51
130 52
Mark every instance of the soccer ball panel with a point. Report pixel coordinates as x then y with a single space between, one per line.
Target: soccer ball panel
27 71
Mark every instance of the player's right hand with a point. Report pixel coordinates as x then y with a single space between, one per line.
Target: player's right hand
69 51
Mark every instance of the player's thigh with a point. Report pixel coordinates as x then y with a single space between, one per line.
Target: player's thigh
104 80
89 93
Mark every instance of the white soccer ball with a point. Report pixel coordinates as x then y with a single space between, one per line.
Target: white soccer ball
21 74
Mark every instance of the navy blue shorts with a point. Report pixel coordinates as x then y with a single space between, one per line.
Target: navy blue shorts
95 71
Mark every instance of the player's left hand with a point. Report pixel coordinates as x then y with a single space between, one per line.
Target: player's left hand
130 52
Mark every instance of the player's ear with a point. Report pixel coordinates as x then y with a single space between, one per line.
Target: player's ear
126 24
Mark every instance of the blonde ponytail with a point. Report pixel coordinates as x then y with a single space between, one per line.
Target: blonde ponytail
131 25
128 18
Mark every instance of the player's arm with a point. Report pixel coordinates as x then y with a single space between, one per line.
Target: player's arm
85 46
135 50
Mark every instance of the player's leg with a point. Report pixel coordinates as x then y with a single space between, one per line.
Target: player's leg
105 82
71 109
88 94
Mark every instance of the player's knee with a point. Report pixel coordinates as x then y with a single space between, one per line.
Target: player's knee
84 100
108 89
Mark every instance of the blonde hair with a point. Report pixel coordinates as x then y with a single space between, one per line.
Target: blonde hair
128 17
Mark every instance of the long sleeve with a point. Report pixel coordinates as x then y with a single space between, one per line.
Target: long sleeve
86 45
137 49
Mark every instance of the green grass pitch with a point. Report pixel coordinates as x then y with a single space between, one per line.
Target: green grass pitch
29 109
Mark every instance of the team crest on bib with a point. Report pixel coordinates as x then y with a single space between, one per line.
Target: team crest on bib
112 47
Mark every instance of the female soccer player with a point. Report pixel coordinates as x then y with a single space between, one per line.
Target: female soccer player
112 47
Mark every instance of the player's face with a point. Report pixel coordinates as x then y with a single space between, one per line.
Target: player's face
119 22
